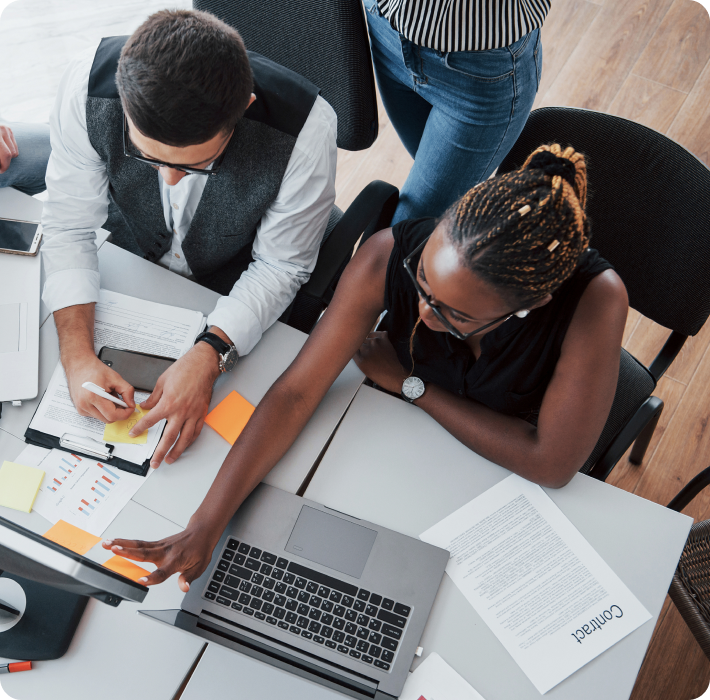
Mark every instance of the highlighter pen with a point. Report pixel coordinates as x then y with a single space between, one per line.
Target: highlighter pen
94 389
14 668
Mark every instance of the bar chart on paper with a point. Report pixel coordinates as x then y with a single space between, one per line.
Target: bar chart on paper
83 492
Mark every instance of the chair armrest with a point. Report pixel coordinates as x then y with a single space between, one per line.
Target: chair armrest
624 439
371 211
690 490
668 353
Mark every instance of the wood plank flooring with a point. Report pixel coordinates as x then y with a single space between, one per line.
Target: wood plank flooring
646 60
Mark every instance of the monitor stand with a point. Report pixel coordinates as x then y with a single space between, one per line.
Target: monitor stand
45 625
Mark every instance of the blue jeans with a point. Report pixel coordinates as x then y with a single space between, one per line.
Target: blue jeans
458 113
26 172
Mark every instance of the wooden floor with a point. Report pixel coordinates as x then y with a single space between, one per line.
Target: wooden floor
646 60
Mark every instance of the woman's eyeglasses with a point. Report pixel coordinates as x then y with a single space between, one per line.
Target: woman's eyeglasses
435 308
182 168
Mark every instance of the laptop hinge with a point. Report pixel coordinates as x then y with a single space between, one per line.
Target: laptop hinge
289 658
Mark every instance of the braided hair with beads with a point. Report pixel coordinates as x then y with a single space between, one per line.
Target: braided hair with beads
525 231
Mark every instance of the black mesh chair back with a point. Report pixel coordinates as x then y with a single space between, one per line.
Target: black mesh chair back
648 204
323 40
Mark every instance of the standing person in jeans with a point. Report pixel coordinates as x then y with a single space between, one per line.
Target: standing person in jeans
458 80
24 152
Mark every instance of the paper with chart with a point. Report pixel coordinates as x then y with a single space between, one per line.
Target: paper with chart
82 491
130 324
434 679
546 594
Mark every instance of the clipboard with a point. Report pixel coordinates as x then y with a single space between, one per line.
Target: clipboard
86 447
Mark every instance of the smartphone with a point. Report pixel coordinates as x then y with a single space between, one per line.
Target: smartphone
139 369
19 237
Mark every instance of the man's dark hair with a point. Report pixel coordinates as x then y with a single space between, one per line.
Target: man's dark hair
184 77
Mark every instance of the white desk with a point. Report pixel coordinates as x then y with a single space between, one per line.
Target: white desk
392 464
176 490
116 653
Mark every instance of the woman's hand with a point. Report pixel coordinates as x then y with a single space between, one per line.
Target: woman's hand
188 553
377 359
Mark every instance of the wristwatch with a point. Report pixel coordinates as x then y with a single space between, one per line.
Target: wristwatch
413 388
228 354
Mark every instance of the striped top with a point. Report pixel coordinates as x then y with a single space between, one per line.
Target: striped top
464 25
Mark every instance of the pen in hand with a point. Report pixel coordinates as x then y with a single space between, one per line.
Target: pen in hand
94 389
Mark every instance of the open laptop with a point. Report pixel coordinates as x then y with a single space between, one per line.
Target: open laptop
334 599
19 306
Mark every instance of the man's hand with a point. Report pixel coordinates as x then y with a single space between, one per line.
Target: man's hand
91 369
377 359
187 553
182 395
8 148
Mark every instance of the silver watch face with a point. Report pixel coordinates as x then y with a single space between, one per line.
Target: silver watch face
228 360
413 388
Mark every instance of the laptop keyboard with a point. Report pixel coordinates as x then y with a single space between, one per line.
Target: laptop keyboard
314 606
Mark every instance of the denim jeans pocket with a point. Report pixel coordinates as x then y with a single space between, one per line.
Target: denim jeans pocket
483 66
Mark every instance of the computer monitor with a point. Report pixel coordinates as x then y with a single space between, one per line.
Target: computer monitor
49 586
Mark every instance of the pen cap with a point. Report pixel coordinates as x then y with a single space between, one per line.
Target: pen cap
20 666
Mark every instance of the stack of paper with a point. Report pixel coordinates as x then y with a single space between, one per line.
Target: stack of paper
434 679
130 324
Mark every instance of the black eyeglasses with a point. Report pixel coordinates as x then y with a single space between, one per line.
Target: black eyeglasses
435 308
182 168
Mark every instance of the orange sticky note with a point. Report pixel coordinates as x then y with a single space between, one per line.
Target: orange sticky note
71 537
126 568
230 416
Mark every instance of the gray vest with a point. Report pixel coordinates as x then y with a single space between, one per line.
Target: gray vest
219 241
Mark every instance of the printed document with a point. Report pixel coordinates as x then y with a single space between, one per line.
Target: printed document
81 491
434 679
130 324
546 594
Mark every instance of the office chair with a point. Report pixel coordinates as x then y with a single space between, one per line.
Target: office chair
325 41
690 589
648 201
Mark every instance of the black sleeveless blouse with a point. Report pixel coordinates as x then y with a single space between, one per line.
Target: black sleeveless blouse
517 358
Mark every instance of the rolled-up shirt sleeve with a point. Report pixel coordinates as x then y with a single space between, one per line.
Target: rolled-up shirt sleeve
288 236
77 196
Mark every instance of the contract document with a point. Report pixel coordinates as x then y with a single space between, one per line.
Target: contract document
129 324
546 594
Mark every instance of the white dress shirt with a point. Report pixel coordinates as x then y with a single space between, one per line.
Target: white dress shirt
287 239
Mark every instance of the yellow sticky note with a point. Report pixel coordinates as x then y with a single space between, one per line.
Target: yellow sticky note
19 485
118 431
72 537
230 416
125 568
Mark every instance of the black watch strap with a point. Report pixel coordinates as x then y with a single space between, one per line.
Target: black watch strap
215 341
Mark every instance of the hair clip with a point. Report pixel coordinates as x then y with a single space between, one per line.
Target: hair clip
553 245
524 210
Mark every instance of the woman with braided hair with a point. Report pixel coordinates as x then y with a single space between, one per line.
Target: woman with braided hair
502 324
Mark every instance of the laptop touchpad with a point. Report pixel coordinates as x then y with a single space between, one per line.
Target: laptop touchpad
331 541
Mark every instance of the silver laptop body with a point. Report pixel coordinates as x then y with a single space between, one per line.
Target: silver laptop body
361 594
19 306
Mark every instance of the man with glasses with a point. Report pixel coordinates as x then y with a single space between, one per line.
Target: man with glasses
196 155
